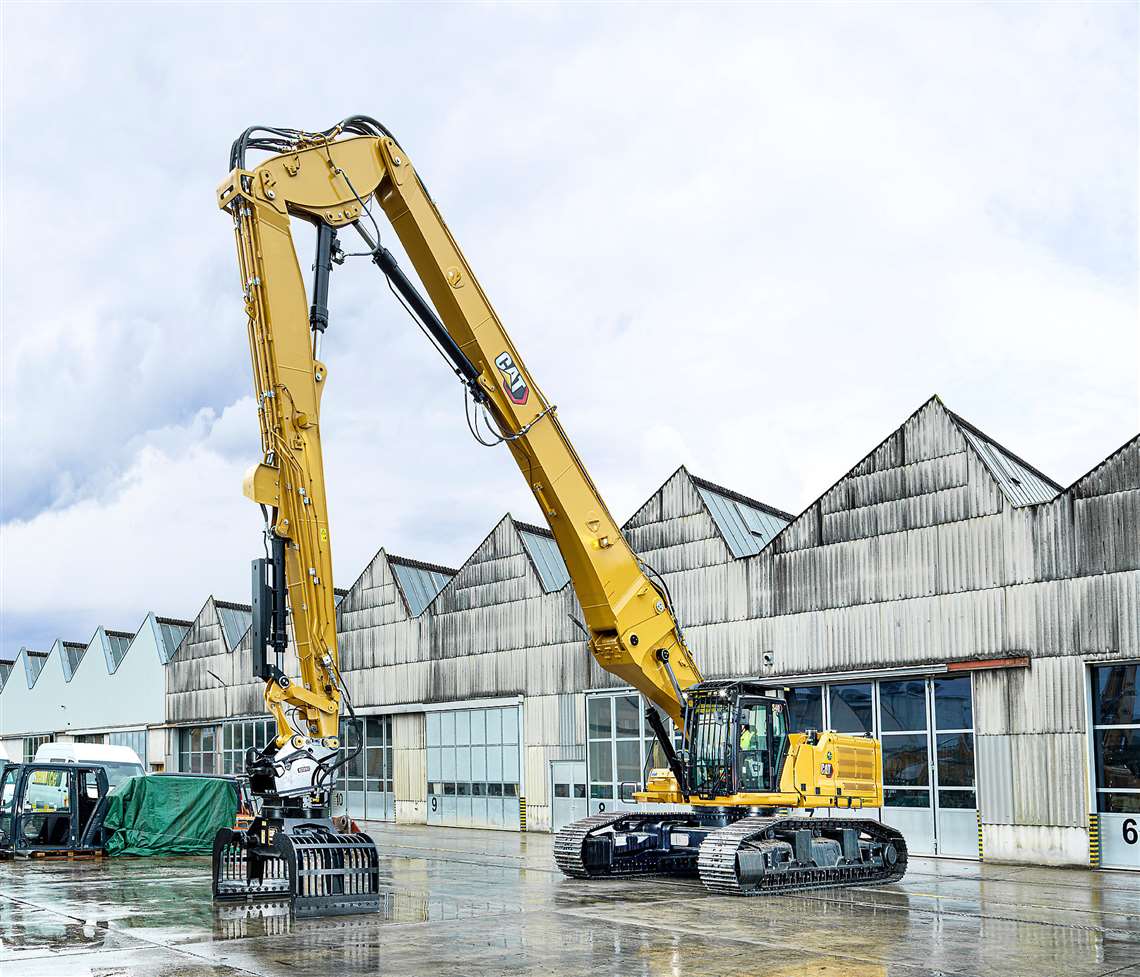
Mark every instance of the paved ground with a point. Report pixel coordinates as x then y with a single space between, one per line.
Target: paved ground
476 903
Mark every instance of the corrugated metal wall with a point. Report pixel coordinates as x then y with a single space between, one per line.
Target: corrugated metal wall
916 557
554 729
206 682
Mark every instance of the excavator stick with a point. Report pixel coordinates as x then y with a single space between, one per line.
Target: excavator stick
319 871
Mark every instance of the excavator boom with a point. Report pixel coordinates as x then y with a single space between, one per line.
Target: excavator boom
337 179
330 182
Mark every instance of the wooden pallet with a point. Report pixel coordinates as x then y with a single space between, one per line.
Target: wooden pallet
88 855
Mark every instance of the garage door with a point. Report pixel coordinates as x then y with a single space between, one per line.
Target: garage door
473 767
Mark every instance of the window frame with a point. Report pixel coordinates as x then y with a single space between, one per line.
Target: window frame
1102 792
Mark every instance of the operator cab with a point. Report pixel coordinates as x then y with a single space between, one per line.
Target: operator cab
737 735
52 807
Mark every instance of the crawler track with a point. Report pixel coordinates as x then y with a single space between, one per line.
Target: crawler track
716 859
570 844
719 870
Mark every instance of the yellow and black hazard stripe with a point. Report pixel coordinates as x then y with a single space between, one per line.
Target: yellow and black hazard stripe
981 849
522 813
1094 841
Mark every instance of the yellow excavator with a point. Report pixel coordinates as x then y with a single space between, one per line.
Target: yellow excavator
734 772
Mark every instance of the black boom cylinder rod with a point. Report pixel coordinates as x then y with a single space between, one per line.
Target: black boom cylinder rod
386 262
319 310
658 726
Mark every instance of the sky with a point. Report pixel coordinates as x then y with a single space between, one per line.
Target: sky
747 239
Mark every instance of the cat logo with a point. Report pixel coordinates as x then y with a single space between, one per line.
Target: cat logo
826 769
513 383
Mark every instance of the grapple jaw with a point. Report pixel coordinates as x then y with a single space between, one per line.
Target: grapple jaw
317 870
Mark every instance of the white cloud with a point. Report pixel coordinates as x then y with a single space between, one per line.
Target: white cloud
747 239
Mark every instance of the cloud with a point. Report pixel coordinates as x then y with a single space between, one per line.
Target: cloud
749 239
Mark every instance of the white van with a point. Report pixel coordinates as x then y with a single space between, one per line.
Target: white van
120 762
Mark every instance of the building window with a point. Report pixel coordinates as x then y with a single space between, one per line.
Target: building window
850 707
954 742
89 738
222 749
905 743
134 738
371 771
237 738
1116 738
33 743
379 763
620 744
805 706
197 749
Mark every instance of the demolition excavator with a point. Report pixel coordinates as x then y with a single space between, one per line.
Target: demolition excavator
730 777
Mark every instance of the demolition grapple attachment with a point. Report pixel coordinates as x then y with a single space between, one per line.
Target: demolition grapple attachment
318 870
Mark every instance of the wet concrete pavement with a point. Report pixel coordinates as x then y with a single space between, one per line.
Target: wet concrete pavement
476 903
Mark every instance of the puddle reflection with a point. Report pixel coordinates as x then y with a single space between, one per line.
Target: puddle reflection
238 921
33 932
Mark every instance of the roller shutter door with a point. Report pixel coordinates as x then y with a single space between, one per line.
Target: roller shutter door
473 767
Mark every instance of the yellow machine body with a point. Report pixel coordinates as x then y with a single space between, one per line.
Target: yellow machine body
835 771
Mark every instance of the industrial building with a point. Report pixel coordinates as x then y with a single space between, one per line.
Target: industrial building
111 689
943 595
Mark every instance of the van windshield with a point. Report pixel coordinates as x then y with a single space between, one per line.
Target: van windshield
118 772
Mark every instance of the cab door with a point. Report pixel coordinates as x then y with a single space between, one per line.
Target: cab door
9 784
760 742
91 789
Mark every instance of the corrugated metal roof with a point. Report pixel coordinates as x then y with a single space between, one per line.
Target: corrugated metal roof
172 632
236 620
543 553
73 653
117 644
420 583
339 594
746 525
1020 482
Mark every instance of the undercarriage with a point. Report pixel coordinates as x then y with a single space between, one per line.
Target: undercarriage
733 850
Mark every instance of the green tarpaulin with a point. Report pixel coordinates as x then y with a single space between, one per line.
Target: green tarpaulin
168 815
